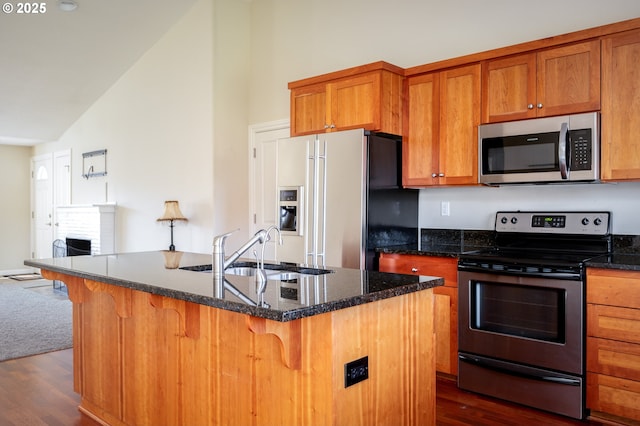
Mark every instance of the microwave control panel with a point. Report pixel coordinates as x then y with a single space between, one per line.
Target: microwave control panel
581 149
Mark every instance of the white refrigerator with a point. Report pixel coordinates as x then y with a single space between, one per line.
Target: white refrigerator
339 197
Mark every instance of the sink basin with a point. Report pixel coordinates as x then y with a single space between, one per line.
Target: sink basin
247 271
285 276
240 270
274 271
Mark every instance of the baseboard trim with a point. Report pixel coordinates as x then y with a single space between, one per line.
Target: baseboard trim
5 272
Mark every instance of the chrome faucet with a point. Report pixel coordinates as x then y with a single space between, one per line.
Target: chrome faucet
261 276
219 263
268 238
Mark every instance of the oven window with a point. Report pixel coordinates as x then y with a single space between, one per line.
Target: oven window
523 311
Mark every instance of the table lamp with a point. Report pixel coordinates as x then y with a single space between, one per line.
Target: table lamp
172 212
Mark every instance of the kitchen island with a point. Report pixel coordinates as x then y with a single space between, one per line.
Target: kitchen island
153 345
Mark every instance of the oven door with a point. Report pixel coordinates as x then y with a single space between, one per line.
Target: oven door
525 320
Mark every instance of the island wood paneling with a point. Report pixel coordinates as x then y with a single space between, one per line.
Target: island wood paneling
147 359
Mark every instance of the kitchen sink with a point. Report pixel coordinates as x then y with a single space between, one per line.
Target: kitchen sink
273 271
247 271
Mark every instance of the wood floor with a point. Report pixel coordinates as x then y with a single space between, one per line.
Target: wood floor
37 390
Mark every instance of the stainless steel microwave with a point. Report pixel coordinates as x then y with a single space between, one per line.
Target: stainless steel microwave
541 150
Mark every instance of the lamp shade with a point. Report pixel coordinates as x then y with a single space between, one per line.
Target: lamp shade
172 259
172 212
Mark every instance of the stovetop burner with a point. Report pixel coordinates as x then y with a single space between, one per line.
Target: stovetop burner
537 243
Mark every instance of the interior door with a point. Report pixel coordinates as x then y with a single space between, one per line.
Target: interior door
42 210
264 181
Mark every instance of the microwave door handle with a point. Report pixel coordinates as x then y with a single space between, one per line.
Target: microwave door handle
562 151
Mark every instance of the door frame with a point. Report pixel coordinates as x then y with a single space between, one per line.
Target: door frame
276 128
59 194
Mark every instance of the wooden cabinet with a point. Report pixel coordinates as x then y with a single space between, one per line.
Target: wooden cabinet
446 300
621 107
368 97
549 82
440 128
613 342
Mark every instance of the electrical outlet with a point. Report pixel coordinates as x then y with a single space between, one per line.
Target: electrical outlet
444 208
356 371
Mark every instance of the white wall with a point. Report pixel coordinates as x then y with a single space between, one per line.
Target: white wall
475 208
15 246
231 100
156 124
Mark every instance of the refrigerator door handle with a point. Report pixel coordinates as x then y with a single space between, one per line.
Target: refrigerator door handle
322 234
311 242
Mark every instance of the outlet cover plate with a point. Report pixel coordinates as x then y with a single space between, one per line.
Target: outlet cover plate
356 371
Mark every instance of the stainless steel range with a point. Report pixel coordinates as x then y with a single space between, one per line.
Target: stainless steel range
522 309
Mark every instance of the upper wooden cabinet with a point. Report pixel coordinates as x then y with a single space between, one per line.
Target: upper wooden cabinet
368 97
620 149
440 128
556 81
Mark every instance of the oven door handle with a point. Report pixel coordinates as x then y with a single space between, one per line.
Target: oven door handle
496 366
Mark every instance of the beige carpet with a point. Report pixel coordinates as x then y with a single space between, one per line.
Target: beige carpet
34 318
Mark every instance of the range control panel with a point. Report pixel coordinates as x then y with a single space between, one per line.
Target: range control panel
585 223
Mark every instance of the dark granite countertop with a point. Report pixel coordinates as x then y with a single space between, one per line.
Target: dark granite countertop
451 243
442 250
622 261
287 299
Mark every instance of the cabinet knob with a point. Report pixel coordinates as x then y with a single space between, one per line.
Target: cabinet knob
434 175
440 174
414 270
326 126
539 106
530 106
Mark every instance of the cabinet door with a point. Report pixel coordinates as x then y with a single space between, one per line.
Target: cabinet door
446 326
613 287
613 358
615 323
509 88
459 120
421 130
445 300
557 81
355 103
614 395
621 107
308 109
568 79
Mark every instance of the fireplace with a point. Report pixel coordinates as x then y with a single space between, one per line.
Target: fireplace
78 246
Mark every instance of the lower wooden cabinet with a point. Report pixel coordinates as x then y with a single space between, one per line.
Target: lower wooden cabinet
613 343
445 299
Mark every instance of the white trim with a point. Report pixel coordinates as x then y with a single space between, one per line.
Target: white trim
6 272
34 159
254 129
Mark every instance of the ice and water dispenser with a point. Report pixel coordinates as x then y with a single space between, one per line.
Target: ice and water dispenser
290 199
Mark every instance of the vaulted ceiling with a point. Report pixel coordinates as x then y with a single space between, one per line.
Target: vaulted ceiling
54 64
